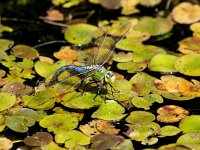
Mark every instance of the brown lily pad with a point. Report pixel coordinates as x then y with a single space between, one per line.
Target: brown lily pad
171 113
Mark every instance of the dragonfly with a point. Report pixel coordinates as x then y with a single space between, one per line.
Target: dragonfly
101 47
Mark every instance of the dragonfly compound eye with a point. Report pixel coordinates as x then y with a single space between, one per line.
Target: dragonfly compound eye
110 77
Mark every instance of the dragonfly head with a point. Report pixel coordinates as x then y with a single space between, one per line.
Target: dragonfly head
109 77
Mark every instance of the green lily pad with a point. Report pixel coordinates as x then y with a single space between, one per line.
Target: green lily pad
189 45
140 117
45 69
2 73
72 138
59 123
171 113
38 139
86 101
120 90
42 100
126 145
146 101
30 113
132 67
19 123
130 45
79 34
142 83
24 51
4 28
2 124
144 132
154 26
123 57
169 131
189 138
189 65
7 100
12 65
109 110
163 63
5 44
190 124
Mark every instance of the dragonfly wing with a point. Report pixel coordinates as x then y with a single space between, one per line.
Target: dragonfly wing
108 43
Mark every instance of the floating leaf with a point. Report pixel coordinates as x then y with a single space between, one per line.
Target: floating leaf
190 45
106 127
53 15
195 27
71 138
189 138
169 131
86 101
45 69
129 7
120 90
5 144
171 113
41 100
146 101
66 53
163 63
5 44
173 84
76 34
123 57
142 83
59 123
154 26
190 124
17 88
24 51
7 100
186 13
2 124
140 117
19 123
38 139
110 4
126 145
106 141
189 65
132 67
109 110
150 3
52 146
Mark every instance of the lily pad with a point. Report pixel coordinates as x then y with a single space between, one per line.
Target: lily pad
41 100
169 131
5 44
106 141
86 101
109 110
146 101
19 123
171 113
59 123
38 139
72 138
140 117
189 65
79 34
190 124
189 138
190 45
150 3
111 4
163 63
24 51
7 100
142 83
5 144
186 13
154 26
45 69
17 88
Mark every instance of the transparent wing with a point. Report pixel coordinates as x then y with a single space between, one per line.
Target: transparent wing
102 45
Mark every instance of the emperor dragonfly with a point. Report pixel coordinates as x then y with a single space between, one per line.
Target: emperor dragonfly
94 68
